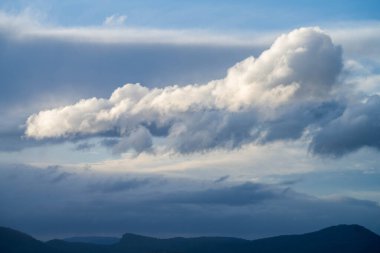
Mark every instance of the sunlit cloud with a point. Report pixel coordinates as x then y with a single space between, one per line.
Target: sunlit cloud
287 92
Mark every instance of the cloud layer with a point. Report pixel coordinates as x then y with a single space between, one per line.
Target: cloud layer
287 90
28 25
85 202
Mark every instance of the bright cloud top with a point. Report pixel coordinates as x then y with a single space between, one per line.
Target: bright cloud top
278 96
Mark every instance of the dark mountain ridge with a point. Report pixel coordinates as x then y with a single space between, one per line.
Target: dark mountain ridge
341 238
102 240
12 241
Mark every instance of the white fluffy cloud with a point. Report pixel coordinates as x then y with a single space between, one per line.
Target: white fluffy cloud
299 69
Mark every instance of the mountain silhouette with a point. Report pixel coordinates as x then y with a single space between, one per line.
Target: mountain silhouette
341 238
12 241
103 240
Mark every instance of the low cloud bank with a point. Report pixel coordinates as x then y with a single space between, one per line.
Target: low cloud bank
120 203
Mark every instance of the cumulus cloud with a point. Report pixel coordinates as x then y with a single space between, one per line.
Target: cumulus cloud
274 111
28 44
298 71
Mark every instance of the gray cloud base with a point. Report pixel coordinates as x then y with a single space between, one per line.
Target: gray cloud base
357 127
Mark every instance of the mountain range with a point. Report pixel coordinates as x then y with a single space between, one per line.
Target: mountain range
341 238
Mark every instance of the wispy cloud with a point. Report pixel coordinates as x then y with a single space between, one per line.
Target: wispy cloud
26 26
115 20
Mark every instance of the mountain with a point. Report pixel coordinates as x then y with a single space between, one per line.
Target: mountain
142 244
77 247
341 238
12 241
102 240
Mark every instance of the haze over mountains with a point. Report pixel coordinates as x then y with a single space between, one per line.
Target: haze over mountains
341 238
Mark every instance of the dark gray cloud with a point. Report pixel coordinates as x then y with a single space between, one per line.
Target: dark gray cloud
240 195
222 179
55 174
201 131
11 140
219 129
290 182
358 127
295 119
36 203
115 185
84 146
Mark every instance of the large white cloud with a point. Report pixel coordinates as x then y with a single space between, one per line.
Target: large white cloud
299 70
282 94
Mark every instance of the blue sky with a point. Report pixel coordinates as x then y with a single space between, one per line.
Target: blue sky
216 15
204 117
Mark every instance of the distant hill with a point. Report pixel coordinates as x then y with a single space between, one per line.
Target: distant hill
103 240
341 238
12 241
141 244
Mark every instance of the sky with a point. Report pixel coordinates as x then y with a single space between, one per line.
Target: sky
189 118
